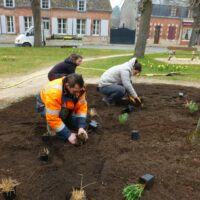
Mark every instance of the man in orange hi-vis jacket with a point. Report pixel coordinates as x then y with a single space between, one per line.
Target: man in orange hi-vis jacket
63 103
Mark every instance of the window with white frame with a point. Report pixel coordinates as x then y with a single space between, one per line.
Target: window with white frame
173 12
81 27
28 22
9 3
96 27
81 5
10 24
45 4
62 26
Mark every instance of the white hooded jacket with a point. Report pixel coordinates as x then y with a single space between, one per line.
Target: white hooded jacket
121 75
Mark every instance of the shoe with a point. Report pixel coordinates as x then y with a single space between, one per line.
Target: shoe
107 102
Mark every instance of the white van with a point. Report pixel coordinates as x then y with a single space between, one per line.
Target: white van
27 39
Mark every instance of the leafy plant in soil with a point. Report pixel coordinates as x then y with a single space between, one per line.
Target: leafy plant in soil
133 191
8 188
123 118
192 106
44 154
92 112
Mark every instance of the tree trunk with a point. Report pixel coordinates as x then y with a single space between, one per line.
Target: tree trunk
195 137
145 18
198 128
35 5
196 17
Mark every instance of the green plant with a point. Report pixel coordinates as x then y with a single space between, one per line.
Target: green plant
123 118
192 106
133 191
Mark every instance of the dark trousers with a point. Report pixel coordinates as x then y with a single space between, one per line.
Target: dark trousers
113 93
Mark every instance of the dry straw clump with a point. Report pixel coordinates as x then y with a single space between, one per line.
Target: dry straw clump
78 195
8 185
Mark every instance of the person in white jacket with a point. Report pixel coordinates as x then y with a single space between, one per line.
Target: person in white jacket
116 82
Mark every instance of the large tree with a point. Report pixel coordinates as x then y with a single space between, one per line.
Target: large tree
145 8
195 7
35 5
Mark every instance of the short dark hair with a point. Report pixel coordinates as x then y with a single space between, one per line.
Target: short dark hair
138 66
74 79
73 57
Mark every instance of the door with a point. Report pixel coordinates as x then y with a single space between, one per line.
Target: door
46 25
157 35
171 33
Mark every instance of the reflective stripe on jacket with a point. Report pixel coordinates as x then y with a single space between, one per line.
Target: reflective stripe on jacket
53 99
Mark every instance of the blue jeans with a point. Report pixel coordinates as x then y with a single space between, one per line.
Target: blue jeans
114 93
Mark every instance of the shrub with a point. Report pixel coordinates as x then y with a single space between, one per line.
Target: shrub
192 106
133 191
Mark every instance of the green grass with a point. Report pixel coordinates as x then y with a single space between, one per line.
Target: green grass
150 66
25 60
96 68
15 61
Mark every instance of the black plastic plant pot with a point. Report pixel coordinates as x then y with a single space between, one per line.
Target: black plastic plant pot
44 158
10 195
135 135
147 180
128 109
45 138
93 125
181 94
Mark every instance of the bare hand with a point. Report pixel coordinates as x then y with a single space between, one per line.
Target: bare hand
72 138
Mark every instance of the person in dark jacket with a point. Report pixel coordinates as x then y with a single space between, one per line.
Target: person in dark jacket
65 68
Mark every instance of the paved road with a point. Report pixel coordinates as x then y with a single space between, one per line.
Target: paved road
110 46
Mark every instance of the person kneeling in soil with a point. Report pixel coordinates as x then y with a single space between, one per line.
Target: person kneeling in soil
68 66
116 82
63 103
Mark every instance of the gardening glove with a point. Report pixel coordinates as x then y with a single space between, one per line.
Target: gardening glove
131 99
83 134
138 99
72 139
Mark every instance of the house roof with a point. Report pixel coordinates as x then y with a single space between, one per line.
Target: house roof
92 5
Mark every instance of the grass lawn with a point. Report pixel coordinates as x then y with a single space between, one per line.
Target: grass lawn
150 66
23 60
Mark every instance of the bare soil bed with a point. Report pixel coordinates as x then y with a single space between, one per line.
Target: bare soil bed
110 158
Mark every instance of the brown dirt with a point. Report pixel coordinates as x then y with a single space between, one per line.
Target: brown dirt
109 158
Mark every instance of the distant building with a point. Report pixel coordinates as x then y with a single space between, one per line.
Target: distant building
129 14
87 18
171 23
115 21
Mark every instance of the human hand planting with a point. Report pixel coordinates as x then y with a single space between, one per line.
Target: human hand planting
72 139
82 134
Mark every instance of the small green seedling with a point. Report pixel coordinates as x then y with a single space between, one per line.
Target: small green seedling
192 106
123 118
133 191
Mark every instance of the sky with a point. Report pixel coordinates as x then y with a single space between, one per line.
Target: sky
116 2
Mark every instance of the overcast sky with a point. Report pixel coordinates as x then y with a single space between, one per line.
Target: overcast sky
116 2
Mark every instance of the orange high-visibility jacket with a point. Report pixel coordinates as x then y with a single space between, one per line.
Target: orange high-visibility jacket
52 97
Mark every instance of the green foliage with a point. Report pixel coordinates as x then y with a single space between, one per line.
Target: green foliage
192 106
123 118
161 67
25 60
133 191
